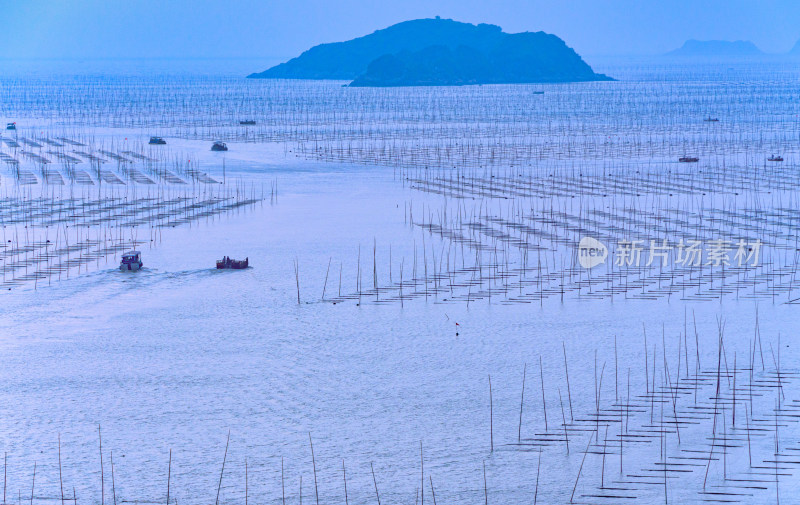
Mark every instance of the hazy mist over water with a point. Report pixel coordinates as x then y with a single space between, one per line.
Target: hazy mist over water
280 30
142 67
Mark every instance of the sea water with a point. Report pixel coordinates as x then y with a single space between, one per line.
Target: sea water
179 355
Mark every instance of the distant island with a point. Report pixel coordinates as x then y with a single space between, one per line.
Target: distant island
440 52
717 48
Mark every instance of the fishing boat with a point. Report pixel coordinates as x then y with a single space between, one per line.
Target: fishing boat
219 146
157 141
11 126
688 159
247 122
230 263
131 261
775 158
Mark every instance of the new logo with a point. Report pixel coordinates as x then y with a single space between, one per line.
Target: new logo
591 252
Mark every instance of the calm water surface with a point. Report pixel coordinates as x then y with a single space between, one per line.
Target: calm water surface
178 355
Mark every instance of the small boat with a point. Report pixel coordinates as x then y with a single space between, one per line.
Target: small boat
230 263
688 159
711 120
157 141
131 261
11 126
247 122
775 158
219 146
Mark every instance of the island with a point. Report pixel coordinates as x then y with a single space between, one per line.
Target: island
717 48
440 52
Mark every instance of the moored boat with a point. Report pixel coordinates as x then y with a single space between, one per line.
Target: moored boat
11 126
230 263
688 159
775 158
131 261
247 122
157 141
219 146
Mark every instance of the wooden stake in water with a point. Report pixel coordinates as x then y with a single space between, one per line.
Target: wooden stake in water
224 458
169 473
297 279
538 467
60 480
544 403
485 488
521 402
314 464
102 480
491 417
113 484
566 371
326 277
374 481
33 481
344 476
581 467
564 420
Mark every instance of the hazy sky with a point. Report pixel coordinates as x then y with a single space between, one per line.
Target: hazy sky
279 29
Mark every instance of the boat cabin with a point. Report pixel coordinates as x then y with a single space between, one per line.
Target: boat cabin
228 262
131 261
